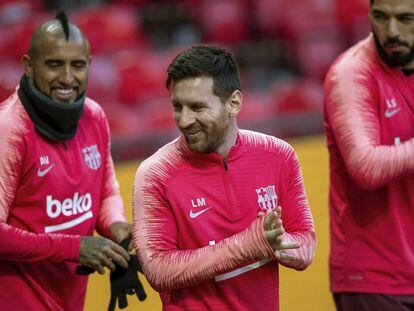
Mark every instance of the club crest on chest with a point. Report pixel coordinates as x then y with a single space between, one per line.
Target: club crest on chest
92 157
267 198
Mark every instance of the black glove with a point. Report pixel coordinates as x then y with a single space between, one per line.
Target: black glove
125 282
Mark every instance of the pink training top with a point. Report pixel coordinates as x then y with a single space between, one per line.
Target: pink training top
51 194
196 229
370 126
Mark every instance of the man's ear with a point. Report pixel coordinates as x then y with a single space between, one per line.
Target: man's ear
28 65
235 103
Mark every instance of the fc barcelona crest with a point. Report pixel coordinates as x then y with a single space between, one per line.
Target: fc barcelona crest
92 157
267 198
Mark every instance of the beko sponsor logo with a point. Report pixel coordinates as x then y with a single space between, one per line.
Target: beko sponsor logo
78 205
68 207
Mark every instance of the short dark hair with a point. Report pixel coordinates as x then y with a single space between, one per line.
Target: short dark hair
207 60
62 17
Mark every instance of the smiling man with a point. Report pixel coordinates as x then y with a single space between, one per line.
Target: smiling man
58 65
218 209
369 119
57 181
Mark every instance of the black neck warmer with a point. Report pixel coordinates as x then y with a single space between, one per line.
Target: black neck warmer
56 121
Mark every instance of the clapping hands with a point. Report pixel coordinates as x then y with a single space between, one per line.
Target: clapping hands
273 227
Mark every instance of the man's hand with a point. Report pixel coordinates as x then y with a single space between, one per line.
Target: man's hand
273 227
98 252
121 231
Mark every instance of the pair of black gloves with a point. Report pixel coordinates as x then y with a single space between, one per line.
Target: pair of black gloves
123 281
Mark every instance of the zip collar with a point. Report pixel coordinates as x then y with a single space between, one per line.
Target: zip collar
214 157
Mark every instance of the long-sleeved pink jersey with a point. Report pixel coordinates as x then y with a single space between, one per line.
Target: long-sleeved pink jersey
51 194
196 229
370 126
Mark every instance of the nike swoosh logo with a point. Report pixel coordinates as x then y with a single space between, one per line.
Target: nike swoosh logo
41 173
391 113
195 215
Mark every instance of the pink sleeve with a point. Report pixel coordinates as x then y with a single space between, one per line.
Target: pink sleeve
351 98
20 245
155 238
297 218
17 244
112 205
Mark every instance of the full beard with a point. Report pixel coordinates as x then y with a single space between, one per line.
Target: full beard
395 59
211 138
208 142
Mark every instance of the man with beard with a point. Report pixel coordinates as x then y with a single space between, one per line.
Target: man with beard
57 181
369 119
217 209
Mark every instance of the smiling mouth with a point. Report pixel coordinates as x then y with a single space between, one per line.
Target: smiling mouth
193 132
65 93
192 136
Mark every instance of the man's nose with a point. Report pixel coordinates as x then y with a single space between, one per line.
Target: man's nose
186 118
393 31
66 76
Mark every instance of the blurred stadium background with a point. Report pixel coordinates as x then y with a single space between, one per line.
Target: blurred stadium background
284 48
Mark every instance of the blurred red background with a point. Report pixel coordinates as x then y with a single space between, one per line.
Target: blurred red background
283 47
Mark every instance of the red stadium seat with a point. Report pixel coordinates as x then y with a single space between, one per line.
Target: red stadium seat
10 74
141 76
224 21
18 7
122 120
158 116
303 95
353 15
315 51
352 11
19 34
133 2
103 81
256 106
313 34
306 15
268 16
111 28
5 38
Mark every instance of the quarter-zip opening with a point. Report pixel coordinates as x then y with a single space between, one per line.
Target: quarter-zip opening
229 188
226 167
